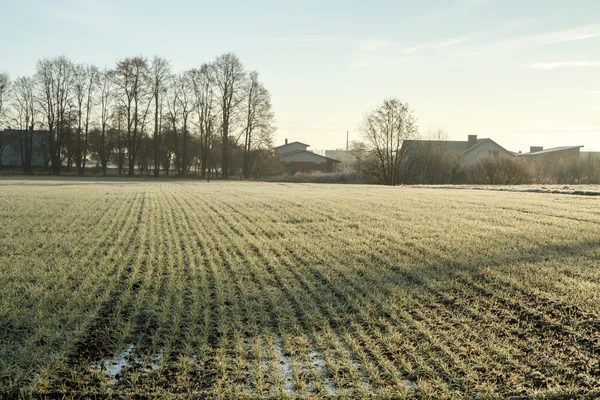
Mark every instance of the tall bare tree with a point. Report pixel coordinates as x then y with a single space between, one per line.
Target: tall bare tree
55 77
85 84
432 161
119 121
258 122
203 83
106 91
93 76
181 109
229 79
4 88
131 79
24 112
79 84
383 131
160 71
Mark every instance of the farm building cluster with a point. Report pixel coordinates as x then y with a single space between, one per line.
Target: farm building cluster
296 157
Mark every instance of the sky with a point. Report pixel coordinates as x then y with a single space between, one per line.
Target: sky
522 72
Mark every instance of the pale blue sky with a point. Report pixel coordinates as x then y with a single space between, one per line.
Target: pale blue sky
521 72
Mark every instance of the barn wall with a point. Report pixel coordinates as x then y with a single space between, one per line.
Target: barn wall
300 166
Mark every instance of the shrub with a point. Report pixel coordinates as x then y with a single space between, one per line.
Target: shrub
317 177
499 171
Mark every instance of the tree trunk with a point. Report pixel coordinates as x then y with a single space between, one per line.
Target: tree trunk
225 159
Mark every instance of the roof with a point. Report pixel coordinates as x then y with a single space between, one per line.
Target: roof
287 144
309 152
552 150
486 140
456 145
459 146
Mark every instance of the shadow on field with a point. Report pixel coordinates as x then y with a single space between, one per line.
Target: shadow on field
556 344
556 341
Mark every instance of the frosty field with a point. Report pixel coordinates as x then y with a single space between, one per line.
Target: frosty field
250 290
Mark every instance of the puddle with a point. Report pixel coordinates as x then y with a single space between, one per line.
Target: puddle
113 366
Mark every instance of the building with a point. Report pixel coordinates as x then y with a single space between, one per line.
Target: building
553 156
346 158
10 147
295 157
469 150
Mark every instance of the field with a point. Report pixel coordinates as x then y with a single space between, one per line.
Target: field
250 290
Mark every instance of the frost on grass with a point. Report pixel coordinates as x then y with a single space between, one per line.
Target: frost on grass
285 369
114 367
316 358
364 381
412 385
405 295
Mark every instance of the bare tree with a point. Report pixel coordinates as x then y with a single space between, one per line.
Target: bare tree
131 77
203 83
160 70
173 118
119 121
229 78
383 131
258 122
4 88
186 107
106 144
180 106
24 112
79 84
431 161
93 76
85 84
55 78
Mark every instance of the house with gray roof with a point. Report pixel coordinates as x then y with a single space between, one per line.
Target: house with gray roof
554 155
295 157
469 150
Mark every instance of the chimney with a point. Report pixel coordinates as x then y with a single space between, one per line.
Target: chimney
472 140
285 140
535 149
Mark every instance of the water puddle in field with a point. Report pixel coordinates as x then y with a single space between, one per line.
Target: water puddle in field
113 366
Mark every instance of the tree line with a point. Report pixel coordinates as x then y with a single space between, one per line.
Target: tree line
140 113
